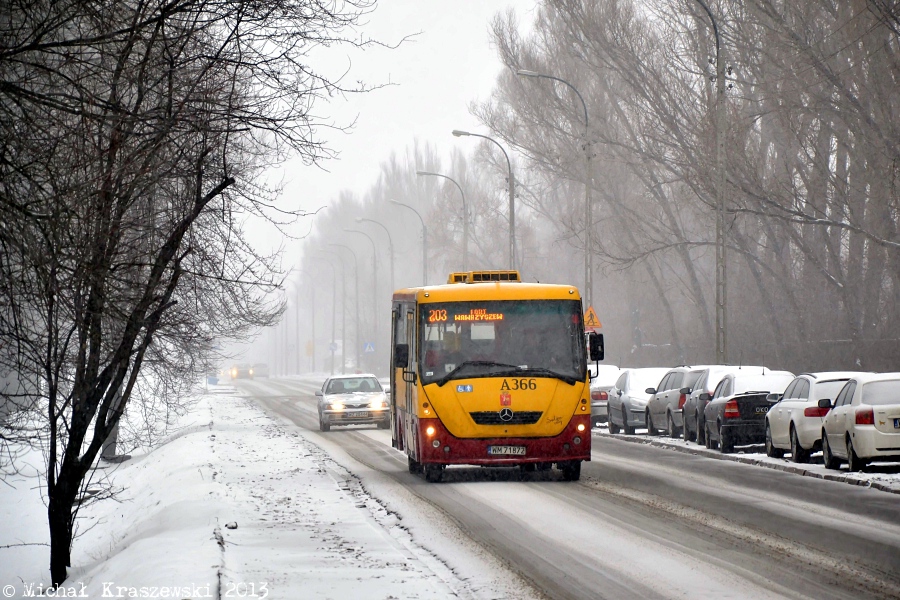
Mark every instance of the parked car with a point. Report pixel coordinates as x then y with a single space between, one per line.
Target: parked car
628 398
863 424
260 370
241 372
736 413
601 385
667 399
795 422
692 416
352 400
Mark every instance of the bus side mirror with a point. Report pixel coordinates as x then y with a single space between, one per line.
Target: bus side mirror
401 356
595 341
409 376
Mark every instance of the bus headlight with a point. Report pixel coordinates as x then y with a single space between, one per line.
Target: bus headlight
429 431
580 427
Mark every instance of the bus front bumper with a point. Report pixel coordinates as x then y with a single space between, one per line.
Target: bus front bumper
443 448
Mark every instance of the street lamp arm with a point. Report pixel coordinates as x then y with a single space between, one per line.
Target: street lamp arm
715 25
526 73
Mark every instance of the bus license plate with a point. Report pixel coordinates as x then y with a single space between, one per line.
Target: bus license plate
507 450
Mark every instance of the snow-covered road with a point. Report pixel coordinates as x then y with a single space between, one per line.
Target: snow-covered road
249 500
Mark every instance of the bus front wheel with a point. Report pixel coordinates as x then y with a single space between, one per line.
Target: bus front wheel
414 466
571 471
433 473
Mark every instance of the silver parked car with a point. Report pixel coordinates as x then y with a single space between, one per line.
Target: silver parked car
668 398
628 399
602 384
352 400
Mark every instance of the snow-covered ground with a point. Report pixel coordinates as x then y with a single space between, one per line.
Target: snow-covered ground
881 476
238 505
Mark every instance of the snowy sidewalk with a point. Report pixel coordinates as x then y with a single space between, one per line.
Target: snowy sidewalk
238 505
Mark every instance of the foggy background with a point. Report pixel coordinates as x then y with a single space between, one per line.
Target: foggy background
811 197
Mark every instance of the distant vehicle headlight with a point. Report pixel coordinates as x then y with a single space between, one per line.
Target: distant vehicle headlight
251 371
234 372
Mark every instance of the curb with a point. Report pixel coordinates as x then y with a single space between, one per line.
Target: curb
875 485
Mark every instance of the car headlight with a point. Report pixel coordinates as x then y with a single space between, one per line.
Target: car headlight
336 406
379 403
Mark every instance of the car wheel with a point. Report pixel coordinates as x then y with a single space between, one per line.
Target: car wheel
651 428
384 424
572 471
324 425
726 444
798 454
626 428
701 431
707 438
771 450
671 429
686 434
434 473
854 462
613 428
831 462
413 465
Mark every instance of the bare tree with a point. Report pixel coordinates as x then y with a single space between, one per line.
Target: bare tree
131 138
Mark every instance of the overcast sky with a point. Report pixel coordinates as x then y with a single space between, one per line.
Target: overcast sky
435 75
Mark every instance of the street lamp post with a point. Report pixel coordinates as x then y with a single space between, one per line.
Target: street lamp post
343 313
356 286
333 304
512 204
312 322
588 217
721 321
465 215
424 240
374 281
390 245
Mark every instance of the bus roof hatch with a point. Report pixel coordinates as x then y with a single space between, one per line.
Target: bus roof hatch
481 276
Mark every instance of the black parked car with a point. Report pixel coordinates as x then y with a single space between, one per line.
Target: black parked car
736 414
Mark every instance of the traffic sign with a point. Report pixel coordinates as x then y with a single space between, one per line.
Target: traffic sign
590 319
368 347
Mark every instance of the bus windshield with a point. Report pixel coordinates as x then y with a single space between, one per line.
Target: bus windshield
542 338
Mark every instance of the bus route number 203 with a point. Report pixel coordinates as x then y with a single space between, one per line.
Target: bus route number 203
519 384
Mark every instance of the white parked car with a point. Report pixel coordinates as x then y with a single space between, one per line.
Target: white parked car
795 422
864 422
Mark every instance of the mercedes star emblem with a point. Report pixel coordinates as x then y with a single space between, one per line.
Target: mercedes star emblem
506 414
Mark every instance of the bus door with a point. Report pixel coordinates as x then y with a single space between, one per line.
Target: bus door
411 426
397 334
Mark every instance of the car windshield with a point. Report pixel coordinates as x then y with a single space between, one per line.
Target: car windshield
482 339
641 379
776 383
881 392
353 384
829 389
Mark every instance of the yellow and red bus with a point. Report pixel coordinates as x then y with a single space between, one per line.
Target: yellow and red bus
488 370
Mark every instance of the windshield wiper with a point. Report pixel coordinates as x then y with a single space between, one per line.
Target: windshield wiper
542 372
472 363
